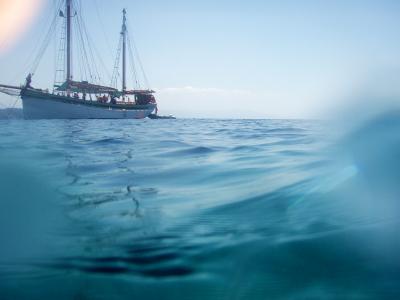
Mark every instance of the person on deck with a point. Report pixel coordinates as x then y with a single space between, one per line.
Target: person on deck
28 81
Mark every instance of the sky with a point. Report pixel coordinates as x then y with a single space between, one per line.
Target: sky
224 59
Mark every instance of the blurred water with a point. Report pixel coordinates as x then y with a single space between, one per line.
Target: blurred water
199 209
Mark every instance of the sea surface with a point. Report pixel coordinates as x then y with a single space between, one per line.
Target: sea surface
199 209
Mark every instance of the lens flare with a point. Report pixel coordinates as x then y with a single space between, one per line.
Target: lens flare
15 18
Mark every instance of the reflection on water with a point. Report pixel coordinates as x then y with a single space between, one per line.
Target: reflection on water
198 209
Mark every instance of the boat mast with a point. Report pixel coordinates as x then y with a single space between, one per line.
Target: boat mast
123 33
69 56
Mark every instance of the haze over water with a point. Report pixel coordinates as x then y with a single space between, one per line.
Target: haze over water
198 209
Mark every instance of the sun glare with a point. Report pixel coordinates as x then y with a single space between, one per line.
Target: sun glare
15 18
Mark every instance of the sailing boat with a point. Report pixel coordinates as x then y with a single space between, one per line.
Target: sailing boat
83 99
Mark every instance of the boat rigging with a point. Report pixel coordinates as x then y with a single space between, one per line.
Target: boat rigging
87 98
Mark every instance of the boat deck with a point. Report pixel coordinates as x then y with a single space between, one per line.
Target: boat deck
41 94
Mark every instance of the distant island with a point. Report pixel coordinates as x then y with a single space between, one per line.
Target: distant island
11 113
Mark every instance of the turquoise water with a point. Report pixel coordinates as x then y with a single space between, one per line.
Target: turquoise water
199 209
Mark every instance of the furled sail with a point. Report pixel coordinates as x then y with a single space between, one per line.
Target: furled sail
84 86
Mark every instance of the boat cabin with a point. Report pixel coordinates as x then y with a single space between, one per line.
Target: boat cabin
84 90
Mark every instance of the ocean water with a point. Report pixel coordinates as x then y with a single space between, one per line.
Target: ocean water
199 209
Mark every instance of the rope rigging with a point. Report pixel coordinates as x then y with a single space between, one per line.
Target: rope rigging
86 47
109 48
85 63
60 75
116 74
92 46
132 63
133 53
86 55
43 24
136 52
46 42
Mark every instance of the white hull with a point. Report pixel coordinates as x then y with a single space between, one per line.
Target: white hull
40 108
